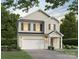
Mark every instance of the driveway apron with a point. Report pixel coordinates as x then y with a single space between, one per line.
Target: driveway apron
48 54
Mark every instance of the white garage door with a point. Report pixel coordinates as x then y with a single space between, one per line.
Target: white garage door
33 44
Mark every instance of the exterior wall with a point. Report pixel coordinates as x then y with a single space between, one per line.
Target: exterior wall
43 42
19 26
51 22
19 41
25 26
47 20
56 43
42 17
30 37
39 40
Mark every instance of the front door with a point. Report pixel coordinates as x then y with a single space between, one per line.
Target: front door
51 41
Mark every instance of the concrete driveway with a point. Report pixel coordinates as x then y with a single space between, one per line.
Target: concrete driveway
48 54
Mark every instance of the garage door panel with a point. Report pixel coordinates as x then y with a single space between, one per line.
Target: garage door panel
33 44
33 37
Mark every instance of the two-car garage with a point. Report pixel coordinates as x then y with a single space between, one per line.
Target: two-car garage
30 42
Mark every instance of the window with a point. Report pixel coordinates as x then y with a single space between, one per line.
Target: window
52 27
25 26
34 27
37 27
29 25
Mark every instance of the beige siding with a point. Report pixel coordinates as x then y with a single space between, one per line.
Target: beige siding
51 22
31 36
47 20
37 16
19 26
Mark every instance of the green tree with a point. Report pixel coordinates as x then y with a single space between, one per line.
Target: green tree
8 24
69 26
19 4
26 4
56 3
74 7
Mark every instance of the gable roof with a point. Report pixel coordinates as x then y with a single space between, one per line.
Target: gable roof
43 13
56 32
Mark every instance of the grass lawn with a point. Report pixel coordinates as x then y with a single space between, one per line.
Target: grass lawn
69 51
15 55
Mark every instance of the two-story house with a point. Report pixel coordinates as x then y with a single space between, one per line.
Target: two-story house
38 31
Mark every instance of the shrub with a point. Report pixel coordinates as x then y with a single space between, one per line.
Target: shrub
70 42
11 44
67 47
8 41
18 48
14 46
64 46
9 48
4 48
74 47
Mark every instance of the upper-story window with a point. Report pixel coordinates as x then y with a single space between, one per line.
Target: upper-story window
31 26
52 26
37 27
25 26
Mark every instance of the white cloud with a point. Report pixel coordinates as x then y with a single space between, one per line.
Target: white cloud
57 12
59 15
21 13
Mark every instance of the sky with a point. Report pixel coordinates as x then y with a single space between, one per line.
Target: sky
57 12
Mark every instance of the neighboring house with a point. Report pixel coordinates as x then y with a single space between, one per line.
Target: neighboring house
38 31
